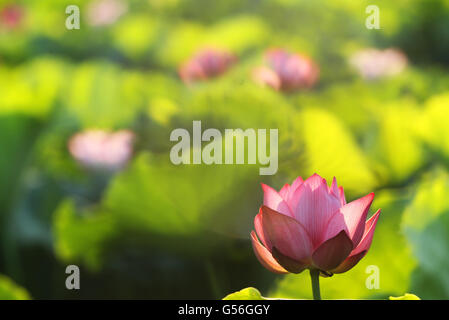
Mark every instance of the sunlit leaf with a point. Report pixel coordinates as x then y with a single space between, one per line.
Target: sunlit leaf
31 89
426 224
398 148
136 34
11 291
245 294
102 96
330 150
407 296
433 126
81 237
238 34
163 198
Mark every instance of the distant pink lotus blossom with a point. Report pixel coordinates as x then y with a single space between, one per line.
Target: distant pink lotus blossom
105 12
97 149
309 225
286 71
11 16
374 63
207 63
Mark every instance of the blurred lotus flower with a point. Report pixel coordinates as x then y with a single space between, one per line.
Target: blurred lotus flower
105 12
286 71
374 63
97 149
309 225
207 63
11 16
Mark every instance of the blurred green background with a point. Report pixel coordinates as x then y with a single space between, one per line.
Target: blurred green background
155 230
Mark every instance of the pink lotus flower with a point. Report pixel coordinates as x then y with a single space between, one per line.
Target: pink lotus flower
105 12
309 225
11 16
97 149
286 71
373 63
207 63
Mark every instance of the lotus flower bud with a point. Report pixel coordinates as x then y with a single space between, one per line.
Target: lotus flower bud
309 225
286 71
105 12
11 16
207 63
373 63
97 149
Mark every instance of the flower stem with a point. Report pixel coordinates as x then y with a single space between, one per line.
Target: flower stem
315 276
